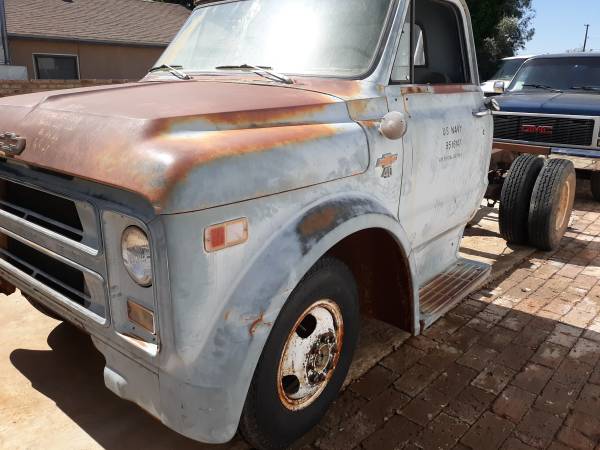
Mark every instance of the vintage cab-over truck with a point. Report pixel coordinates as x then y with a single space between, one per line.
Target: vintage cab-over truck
219 226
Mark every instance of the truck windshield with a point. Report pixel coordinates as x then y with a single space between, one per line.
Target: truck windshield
508 69
309 37
577 74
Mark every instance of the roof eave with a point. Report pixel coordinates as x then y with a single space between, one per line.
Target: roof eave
87 40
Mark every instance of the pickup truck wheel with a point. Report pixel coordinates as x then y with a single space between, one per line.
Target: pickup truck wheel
596 185
552 204
305 360
516 198
41 308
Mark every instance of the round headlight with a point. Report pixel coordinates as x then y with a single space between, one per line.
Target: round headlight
135 249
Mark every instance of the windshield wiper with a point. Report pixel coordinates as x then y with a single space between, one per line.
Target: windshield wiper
173 70
586 88
542 86
260 71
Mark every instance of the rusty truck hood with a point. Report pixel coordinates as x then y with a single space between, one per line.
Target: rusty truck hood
148 137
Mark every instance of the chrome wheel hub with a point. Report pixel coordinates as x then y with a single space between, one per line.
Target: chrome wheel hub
310 355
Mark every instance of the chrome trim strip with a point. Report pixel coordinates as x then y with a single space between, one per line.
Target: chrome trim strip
11 218
49 253
30 282
552 116
584 153
544 144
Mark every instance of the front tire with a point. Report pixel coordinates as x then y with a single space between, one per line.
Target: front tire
305 360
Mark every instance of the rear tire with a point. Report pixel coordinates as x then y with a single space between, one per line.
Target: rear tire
595 180
515 198
305 360
552 204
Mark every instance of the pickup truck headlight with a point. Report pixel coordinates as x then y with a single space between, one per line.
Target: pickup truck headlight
135 249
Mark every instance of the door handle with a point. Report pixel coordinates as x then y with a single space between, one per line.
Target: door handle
482 113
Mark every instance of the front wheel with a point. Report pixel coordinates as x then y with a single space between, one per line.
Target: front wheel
305 360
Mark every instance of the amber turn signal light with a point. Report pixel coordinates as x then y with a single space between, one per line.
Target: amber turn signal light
141 316
224 235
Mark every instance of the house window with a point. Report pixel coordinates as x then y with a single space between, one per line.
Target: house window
56 67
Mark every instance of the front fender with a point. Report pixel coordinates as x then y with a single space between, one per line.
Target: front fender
213 398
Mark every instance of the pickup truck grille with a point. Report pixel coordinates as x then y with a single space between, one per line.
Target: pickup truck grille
49 211
545 130
50 247
57 275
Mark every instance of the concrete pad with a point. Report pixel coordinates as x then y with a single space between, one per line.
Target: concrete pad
483 243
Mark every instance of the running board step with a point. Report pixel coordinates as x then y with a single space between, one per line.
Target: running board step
442 293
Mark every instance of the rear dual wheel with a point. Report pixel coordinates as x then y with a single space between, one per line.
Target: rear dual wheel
552 204
537 201
515 198
305 360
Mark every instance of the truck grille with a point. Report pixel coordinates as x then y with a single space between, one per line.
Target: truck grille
55 274
546 130
50 246
49 211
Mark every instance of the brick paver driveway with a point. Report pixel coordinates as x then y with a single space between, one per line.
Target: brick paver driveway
515 366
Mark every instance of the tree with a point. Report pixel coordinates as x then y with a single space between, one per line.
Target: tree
501 28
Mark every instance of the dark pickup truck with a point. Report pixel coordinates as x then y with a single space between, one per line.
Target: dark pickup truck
552 107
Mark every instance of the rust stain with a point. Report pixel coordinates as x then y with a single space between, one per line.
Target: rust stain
212 146
359 108
416 89
345 89
387 160
120 136
440 89
520 148
260 320
455 88
246 119
320 220
153 168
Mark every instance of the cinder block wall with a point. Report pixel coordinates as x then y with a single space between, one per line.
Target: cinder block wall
17 87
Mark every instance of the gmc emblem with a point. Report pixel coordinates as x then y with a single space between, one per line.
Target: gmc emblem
545 130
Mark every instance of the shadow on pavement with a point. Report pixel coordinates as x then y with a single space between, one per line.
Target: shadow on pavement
71 374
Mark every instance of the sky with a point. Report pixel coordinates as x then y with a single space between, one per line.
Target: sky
560 24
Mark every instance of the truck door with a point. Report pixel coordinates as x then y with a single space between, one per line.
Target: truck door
447 145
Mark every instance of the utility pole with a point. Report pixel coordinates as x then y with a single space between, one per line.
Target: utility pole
4 56
587 29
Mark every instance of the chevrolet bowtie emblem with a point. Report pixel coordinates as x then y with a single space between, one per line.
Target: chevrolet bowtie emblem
386 162
11 144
